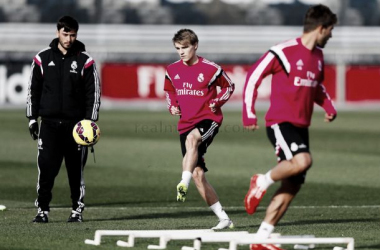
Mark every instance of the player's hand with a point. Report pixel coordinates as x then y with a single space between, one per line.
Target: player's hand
33 129
330 117
252 127
175 110
212 107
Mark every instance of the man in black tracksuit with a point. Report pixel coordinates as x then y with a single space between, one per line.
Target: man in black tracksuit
63 89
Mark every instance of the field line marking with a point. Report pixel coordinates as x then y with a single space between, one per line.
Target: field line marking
241 207
207 208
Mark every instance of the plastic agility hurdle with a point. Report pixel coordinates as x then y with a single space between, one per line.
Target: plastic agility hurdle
210 238
218 237
180 236
142 234
293 240
234 238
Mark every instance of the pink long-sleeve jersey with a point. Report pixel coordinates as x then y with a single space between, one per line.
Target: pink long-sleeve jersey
297 76
193 88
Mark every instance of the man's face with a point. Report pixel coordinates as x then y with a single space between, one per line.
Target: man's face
186 52
66 38
324 35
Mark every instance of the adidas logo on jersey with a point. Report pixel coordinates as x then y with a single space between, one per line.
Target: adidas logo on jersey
51 63
177 77
299 64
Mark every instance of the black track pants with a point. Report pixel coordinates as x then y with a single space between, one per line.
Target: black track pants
56 143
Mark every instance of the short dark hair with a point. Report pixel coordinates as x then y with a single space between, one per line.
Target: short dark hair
185 35
68 24
319 15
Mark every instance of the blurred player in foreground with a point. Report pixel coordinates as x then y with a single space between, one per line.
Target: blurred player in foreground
297 69
191 93
63 89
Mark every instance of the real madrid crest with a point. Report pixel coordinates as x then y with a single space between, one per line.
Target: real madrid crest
74 66
40 144
201 78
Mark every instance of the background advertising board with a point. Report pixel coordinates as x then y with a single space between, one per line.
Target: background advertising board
145 82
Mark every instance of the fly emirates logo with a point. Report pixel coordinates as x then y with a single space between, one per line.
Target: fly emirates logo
187 90
309 82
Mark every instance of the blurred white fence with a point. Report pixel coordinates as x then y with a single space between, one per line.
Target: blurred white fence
227 43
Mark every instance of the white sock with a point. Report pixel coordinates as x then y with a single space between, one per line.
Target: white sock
264 181
264 231
268 178
218 210
186 177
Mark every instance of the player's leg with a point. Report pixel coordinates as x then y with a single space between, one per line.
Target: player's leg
281 201
193 140
49 161
204 133
209 130
287 168
276 209
211 198
75 160
204 187
189 145
292 148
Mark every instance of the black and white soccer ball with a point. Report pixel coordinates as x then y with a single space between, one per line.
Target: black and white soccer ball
86 133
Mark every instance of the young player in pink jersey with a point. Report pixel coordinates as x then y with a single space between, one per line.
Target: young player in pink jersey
297 69
191 93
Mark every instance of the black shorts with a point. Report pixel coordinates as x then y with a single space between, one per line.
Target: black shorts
208 130
289 140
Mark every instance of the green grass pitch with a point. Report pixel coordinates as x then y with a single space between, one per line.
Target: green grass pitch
138 165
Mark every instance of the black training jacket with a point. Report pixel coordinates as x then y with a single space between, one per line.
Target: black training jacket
63 87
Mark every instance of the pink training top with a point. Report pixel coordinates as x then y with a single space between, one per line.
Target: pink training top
193 88
297 76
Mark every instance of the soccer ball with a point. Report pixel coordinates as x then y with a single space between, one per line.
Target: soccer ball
86 133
